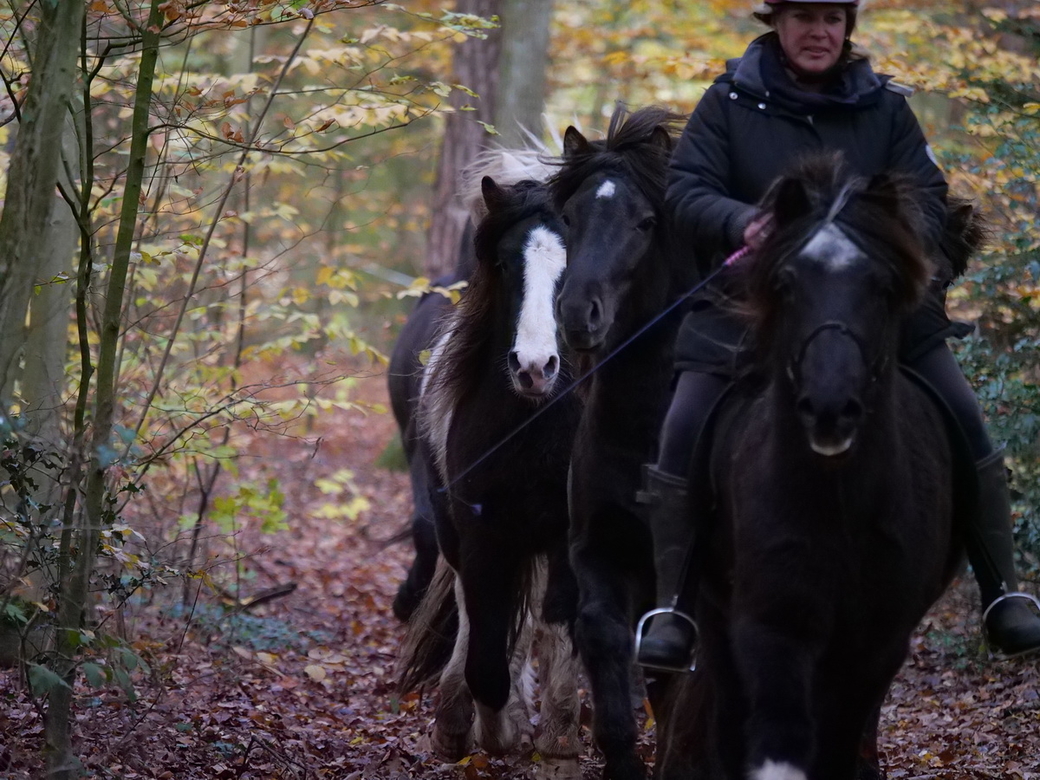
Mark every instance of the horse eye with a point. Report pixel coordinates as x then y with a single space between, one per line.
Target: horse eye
566 221
647 224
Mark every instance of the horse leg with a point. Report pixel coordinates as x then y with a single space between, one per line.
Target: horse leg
556 738
776 674
605 642
424 534
868 766
489 576
451 729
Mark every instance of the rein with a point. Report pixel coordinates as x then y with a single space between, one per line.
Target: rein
731 260
839 203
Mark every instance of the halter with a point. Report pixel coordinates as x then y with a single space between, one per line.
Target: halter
794 365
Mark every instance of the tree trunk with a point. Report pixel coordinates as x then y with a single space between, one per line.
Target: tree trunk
75 585
475 65
522 66
33 173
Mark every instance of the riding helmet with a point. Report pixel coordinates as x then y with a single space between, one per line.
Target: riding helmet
764 11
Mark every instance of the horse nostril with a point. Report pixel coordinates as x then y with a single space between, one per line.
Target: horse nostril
804 407
526 381
595 315
514 362
550 367
853 410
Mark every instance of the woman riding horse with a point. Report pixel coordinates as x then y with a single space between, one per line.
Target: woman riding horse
804 87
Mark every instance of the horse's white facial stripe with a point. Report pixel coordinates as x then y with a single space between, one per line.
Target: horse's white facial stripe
544 260
606 189
777 771
833 249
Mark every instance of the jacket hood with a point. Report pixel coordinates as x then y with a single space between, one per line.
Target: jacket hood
761 73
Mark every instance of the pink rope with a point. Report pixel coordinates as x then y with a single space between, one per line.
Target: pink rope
737 256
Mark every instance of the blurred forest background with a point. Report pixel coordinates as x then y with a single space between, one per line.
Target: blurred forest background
218 213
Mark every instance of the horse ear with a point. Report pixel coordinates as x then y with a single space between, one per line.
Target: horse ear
574 143
790 201
662 139
493 194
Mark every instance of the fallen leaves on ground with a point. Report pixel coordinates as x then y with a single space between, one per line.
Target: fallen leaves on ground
302 686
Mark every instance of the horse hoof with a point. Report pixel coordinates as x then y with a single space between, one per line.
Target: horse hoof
449 746
557 769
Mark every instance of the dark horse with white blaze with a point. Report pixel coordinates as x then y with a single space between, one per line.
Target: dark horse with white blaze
413 345
620 277
500 498
833 475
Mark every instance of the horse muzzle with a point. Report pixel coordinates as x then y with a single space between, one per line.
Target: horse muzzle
533 379
584 322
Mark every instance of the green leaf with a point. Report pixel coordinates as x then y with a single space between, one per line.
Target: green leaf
43 680
95 675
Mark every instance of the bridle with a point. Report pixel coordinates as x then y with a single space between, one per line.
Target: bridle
795 363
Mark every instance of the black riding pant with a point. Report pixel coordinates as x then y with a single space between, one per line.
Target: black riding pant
696 393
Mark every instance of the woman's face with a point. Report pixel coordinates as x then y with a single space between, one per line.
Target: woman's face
811 36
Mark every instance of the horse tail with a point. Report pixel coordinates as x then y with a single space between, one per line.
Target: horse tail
430 638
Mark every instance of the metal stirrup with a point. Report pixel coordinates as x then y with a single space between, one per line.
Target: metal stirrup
1013 595
683 616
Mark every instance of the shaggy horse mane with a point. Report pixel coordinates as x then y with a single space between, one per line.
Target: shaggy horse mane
638 145
879 214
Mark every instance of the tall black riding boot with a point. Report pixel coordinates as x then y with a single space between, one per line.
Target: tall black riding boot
669 642
1011 618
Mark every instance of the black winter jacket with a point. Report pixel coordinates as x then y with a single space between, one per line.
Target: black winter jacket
754 122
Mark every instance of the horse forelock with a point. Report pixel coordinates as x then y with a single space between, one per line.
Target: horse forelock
638 146
882 221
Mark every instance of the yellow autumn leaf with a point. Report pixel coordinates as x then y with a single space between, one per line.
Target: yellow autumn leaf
315 672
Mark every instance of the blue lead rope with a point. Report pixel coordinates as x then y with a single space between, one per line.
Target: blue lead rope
731 260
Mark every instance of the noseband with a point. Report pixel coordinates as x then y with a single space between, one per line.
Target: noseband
795 364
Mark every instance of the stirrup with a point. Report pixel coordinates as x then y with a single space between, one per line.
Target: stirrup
985 617
683 616
1017 594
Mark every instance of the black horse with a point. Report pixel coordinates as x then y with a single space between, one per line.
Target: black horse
833 477
404 379
620 277
500 505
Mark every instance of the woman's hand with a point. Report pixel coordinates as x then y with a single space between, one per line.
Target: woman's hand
758 230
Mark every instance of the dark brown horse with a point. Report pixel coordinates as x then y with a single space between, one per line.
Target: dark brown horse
833 474
621 277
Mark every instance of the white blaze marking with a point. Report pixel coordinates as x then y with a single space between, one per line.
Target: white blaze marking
773 771
606 190
833 249
544 260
